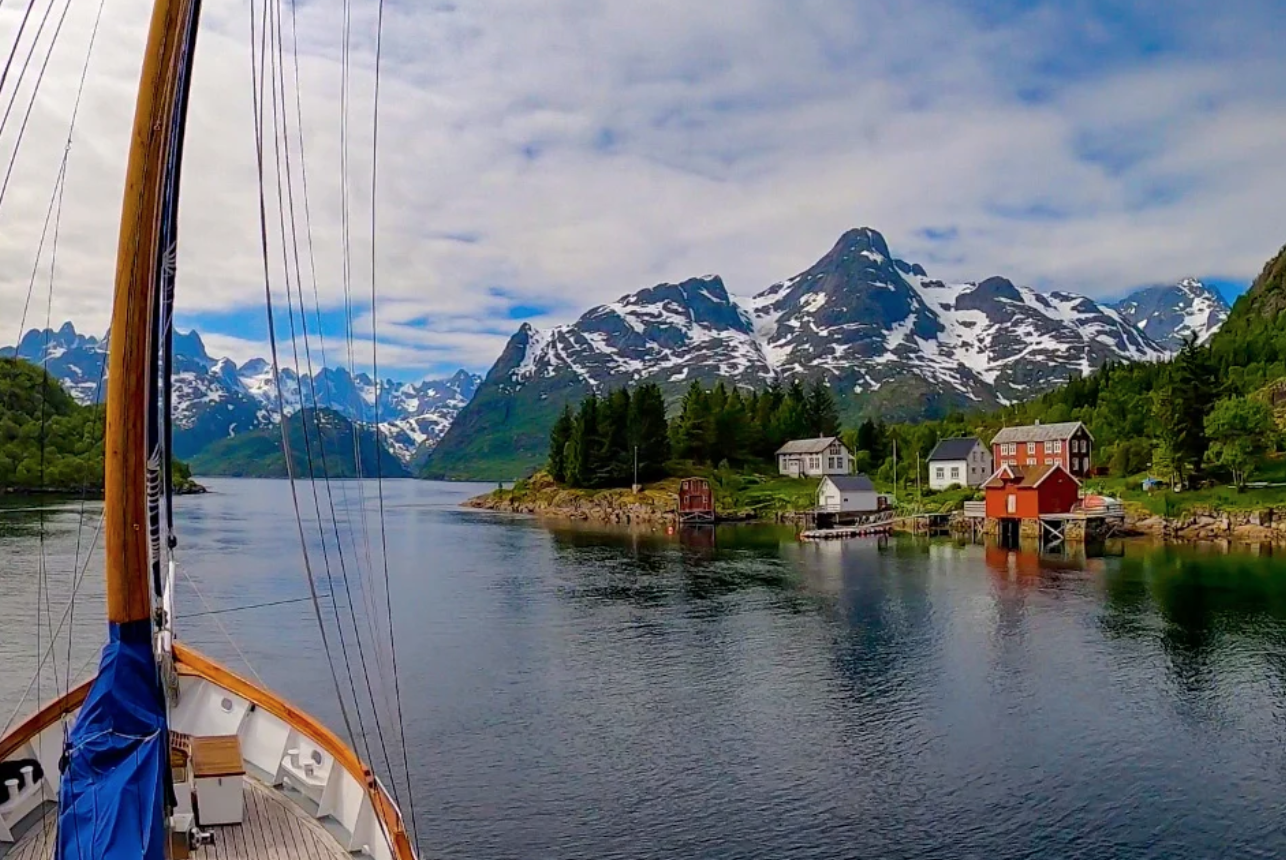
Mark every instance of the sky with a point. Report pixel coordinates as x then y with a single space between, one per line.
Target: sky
539 157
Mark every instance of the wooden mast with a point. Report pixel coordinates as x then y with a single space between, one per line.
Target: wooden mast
129 356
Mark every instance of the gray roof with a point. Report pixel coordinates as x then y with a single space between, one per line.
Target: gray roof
954 449
806 446
1038 432
851 483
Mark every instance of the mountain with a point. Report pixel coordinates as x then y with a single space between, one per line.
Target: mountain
1171 314
890 339
322 443
215 398
73 359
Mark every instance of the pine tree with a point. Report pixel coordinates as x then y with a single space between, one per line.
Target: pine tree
615 456
582 457
649 432
694 430
730 428
558 439
823 414
1195 389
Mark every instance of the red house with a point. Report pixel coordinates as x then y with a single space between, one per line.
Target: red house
696 501
1018 493
1068 444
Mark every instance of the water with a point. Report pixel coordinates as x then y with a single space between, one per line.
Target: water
579 693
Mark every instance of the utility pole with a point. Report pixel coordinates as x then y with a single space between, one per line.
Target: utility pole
895 470
636 468
919 497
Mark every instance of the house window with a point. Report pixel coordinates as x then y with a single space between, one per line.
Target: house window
1058 447
939 473
955 473
1011 503
1031 448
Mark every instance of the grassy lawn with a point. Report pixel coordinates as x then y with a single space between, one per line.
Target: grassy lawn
1223 497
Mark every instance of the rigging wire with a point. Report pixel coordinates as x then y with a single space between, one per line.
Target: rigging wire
263 605
102 367
276 80
214 616
287 207
67 615
13 50
321 336
258 108
379 476
31 103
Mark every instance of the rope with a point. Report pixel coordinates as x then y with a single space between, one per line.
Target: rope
67 613
22 130
214 616
379 475
256 95
249 606
282 123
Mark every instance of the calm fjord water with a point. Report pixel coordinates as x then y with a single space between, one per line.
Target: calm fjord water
581 693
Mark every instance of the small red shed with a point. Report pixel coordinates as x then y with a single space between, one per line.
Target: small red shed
696 501
1014 492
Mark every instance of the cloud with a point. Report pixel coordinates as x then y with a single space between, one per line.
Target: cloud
545 157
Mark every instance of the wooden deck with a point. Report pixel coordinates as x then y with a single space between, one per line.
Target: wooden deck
274 828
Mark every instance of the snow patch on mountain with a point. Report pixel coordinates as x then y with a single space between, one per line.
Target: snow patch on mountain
215 398
859 316
1170 314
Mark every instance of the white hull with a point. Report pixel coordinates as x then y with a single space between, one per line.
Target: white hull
288 756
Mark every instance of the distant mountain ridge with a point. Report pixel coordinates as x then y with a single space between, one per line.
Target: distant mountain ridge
890 339
214 398
1169 314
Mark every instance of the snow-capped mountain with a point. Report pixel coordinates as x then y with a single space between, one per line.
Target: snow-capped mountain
215 398
887 336
1171 314
74 359
867 321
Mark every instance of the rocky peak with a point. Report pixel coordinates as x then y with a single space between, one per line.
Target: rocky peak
1171 313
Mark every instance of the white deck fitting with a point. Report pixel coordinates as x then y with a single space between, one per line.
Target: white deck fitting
274 829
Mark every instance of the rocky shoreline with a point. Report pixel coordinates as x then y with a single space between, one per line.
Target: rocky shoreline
1262 526
611 507
654 507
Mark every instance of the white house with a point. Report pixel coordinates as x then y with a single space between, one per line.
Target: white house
849 494
964 462
825 455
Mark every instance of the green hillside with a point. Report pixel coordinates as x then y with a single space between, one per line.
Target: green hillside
33 406
322 443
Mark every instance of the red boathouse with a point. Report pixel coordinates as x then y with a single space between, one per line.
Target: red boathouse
696 501
1018 493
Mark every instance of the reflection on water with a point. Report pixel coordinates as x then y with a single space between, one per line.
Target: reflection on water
579 691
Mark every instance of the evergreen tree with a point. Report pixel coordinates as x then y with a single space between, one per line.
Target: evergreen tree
729 427
649 431
790 420
693 432
1195 389
1170 457
616 456
582 457
558 439
823 414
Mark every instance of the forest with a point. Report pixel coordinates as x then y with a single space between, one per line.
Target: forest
47 440
594 445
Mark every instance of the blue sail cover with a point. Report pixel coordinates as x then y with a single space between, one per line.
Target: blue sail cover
112 799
